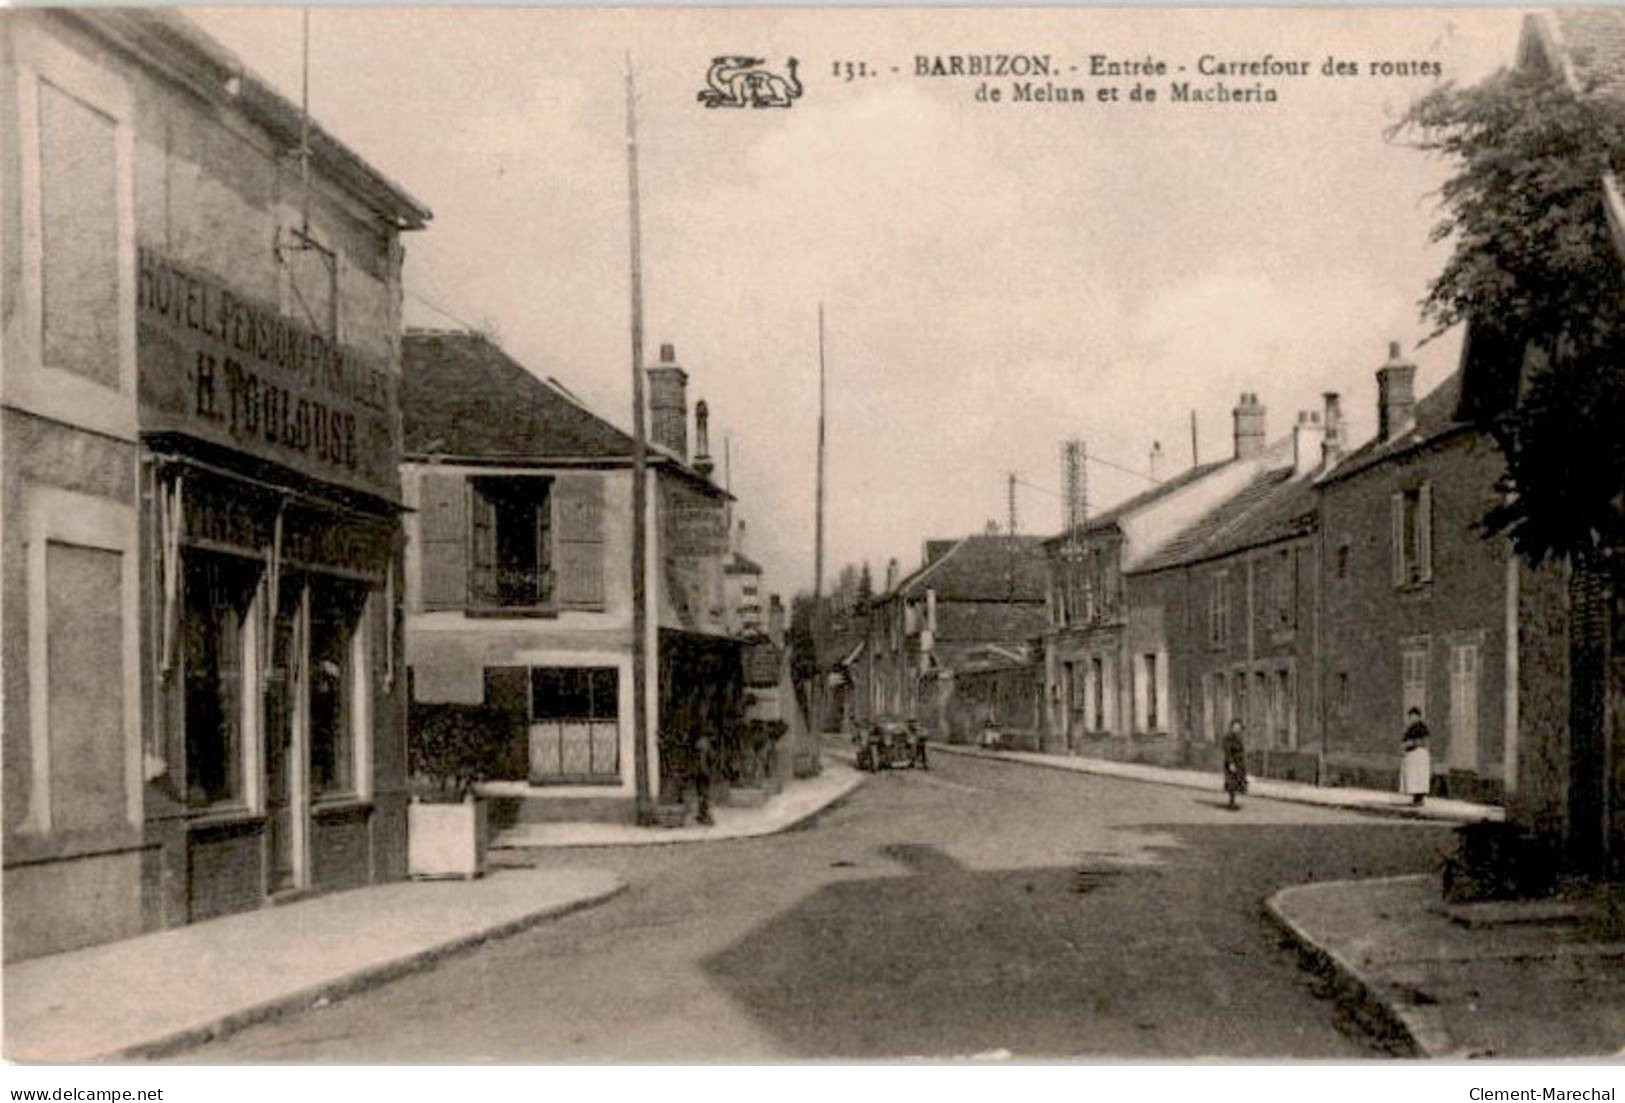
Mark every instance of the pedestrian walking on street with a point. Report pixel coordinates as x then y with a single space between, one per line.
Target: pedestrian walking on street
704 765
1235 763
1416 768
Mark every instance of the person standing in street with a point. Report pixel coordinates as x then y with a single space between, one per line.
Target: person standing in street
1235 763
1416 768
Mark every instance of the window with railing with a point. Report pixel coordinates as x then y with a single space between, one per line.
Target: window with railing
511 560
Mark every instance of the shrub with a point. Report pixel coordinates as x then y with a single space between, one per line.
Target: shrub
452 747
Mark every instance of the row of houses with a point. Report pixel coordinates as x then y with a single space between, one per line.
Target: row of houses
1313 590
251 522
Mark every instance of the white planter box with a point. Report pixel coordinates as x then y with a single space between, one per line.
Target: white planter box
747 797
446 840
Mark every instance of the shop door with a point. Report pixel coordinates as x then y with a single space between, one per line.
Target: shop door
284 720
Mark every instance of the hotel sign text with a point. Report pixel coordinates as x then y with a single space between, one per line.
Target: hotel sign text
216 365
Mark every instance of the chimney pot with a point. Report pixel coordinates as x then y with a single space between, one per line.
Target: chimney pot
1249 426
668 404
1396 395
1308 443
702 439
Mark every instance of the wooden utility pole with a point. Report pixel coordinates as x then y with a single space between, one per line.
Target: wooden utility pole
644 802
1194 460
821 686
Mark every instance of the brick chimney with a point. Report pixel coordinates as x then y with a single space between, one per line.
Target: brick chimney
668 403
1249 417
1331 449
1396 395
702 439
891 575
1308 442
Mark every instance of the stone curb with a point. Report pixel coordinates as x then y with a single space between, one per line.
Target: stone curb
1420 1028
349 984
1398 812
670 837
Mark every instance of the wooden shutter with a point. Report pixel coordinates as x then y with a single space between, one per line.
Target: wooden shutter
443 529
1398 557
482 548
1424 532
578 535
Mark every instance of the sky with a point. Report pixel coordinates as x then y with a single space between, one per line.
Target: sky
995 278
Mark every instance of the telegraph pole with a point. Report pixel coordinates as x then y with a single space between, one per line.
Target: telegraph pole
820 687
640 461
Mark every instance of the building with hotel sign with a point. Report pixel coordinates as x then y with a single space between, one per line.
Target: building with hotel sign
201 299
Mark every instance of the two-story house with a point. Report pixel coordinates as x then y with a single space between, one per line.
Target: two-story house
519 573
1232 600
1103 697
969 594
1418 606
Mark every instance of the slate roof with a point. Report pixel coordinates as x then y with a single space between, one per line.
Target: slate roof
1434 416
1192 542
989 620
461 395
985 567
740 563
1139 501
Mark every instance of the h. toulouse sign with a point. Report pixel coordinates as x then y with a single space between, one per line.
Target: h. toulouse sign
218 366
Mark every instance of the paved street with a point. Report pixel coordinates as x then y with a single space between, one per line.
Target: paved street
980 907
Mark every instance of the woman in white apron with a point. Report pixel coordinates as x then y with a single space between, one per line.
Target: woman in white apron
1416 768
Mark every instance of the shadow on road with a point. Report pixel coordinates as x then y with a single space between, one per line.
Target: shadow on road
1095 959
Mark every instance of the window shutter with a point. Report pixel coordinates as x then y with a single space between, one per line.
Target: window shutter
443 530
1399 539
482 548
579 536
1424 532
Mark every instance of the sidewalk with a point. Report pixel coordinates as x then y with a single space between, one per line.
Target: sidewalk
1518 979
162 992
801 799
1364 800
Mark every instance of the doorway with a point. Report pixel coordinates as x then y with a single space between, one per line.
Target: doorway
285 722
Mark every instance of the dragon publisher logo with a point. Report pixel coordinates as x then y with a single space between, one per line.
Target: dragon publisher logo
738 81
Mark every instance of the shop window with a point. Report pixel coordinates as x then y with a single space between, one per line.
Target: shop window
575 725
512 560
336 607
218 590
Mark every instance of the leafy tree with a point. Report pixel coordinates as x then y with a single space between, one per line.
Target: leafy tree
1535 272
